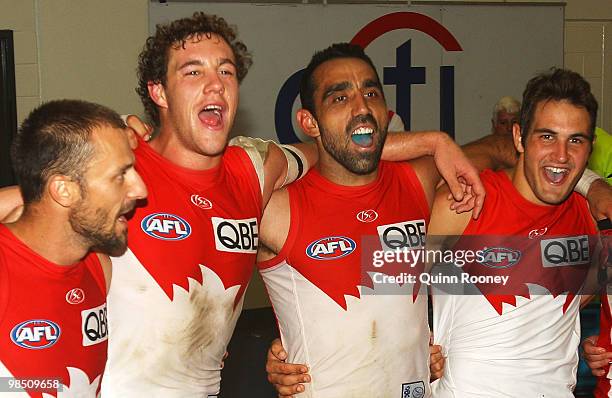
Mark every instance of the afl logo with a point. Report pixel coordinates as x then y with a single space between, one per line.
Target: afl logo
367 215
165 226
35 334
331 248
75 296
201 202
499 257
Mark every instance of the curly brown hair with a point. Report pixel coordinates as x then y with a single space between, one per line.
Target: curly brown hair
153 60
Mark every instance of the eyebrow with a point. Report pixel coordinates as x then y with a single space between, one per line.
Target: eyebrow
195 62
549 131
372 83
334 88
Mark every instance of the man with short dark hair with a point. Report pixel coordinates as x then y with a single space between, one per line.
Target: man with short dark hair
76 174
517 340
314 235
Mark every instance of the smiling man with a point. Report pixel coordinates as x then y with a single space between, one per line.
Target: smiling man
314 235
520 341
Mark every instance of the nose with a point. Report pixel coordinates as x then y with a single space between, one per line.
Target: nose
360 105
561 151
213 83
137 188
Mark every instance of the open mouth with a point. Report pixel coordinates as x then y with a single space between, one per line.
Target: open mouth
556 175
363 136
126 213
212 115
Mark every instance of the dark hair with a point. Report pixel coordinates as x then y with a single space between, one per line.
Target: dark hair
557 85
337 50
153 60
55 139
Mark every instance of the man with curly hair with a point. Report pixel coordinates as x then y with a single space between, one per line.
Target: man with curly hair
178 291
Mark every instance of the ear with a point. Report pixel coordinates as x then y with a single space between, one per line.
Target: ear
308 123
63 190
516 136
157 94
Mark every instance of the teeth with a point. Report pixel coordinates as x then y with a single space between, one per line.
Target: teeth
363 130
557 170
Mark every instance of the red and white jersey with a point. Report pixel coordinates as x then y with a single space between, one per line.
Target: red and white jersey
52 320
356 340
603 389
525 343
178 291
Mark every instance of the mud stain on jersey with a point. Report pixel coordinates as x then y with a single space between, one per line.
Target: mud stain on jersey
374 332
208 318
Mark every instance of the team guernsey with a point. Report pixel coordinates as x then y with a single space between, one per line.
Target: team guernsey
357 339
178 291
522 342
53 328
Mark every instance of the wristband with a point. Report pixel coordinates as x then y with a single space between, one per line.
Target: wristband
585 182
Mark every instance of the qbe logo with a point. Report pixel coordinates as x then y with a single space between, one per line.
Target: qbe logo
406 234
500 257
236 236
413 390
331 248
165 226
94 325
560 252
36 334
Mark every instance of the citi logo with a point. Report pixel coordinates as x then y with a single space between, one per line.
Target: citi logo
201 202
367 215
331 248
165 226
36 334
499 257
75 296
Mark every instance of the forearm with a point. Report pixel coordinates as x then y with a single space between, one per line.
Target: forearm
491 152
411 145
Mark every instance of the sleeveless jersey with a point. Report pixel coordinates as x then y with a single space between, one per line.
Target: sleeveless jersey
356 340
515 345
52 320
178 291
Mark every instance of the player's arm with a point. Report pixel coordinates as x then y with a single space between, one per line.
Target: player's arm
451 163
497 151
285 377
598 193
597 358
11 204
492 152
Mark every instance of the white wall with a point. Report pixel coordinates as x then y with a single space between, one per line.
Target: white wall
76 49
588 49
89 49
